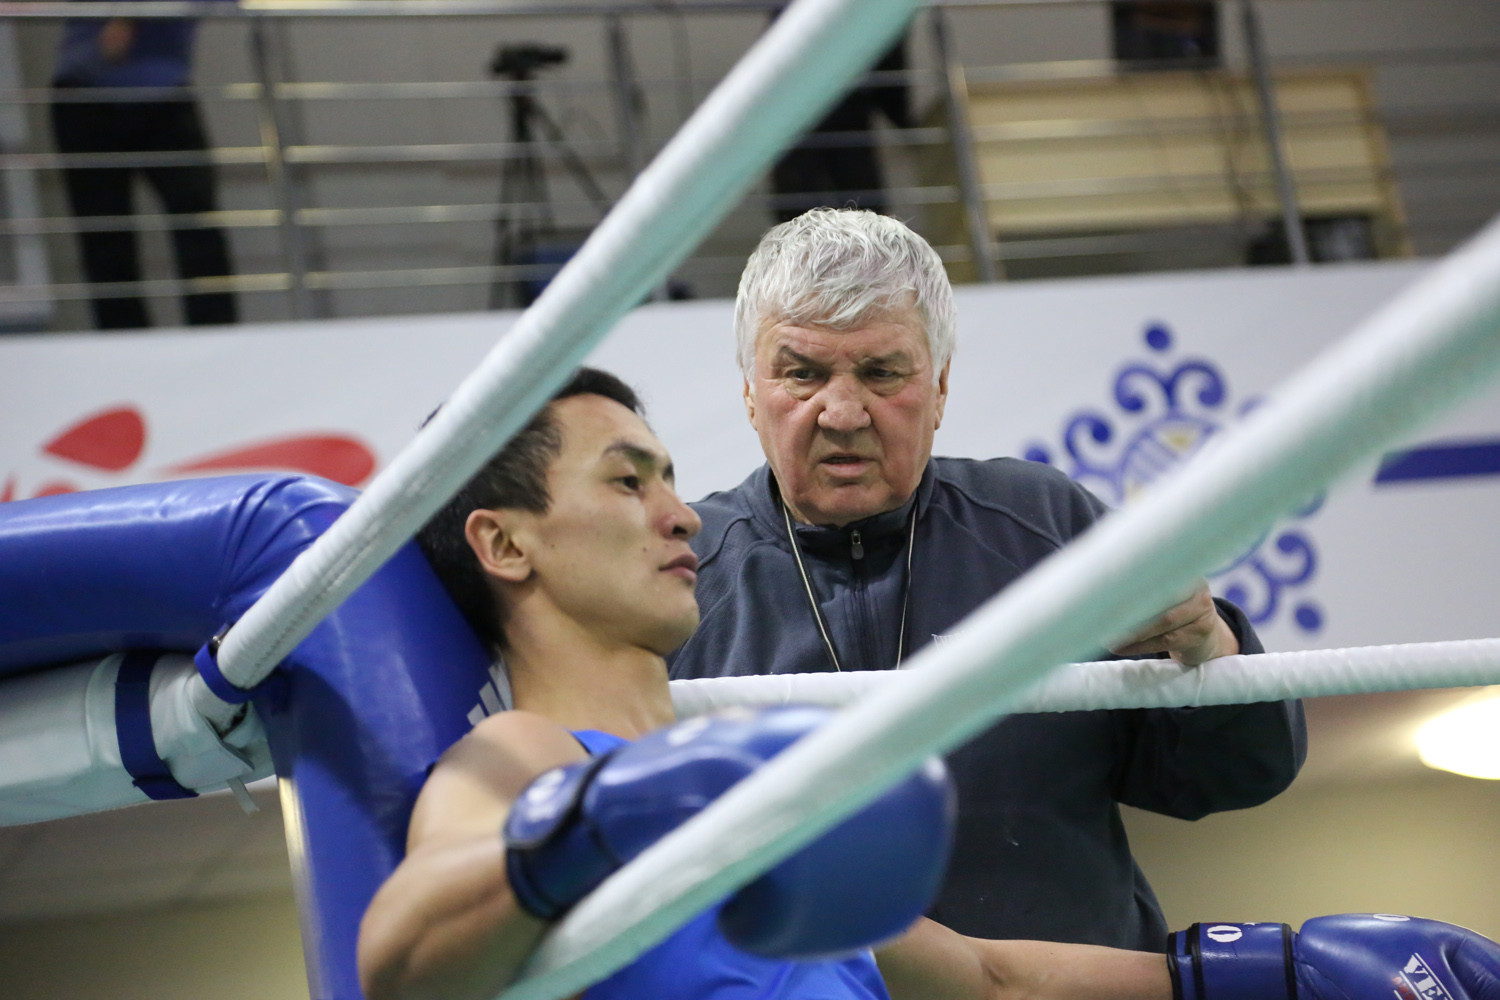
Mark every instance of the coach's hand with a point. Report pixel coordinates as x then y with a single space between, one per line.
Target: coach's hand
860 883
1353 956
1190 632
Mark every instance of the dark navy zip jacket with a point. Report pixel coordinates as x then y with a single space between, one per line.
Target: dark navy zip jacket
1041 851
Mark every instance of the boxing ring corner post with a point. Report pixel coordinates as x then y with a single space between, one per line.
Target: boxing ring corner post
371 699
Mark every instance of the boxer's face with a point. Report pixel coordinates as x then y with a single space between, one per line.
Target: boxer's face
846 418
611 552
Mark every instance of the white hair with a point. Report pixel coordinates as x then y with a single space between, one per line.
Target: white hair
842 268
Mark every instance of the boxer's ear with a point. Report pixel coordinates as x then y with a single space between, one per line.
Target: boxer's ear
498 542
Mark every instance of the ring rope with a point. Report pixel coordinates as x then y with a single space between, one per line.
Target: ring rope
789 76
1108 684
1433 345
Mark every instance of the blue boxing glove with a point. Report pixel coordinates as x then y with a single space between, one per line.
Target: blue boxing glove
1353 956
862 882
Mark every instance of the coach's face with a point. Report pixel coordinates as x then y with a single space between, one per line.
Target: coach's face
846 417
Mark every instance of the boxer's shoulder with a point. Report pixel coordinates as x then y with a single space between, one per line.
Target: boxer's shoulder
505 751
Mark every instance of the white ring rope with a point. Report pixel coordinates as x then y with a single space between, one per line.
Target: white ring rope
1432 346
1229 680
792 74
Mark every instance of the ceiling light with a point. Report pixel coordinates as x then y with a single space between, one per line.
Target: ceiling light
1464 740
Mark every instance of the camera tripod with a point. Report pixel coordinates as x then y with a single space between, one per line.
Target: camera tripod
526 232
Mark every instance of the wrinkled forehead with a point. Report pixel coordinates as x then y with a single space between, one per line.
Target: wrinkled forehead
892 334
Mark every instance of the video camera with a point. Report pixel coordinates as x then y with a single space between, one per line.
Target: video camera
520 62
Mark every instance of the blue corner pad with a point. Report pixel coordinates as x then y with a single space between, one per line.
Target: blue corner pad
147 770
207 662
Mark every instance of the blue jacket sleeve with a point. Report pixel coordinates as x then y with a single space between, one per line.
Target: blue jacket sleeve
1189 762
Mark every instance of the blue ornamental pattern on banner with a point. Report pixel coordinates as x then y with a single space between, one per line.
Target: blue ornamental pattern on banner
1165 414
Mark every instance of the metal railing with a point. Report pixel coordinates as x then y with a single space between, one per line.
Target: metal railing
355 196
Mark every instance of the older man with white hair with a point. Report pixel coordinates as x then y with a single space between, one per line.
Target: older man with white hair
852 547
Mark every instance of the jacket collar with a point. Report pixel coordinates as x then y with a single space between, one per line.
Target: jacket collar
889 528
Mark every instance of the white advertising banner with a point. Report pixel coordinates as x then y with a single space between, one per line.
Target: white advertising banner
1115 381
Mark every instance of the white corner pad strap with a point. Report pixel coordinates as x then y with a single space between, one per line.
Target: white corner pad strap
60 754
1109 684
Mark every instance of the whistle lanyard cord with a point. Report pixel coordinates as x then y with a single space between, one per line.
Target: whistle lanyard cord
812 597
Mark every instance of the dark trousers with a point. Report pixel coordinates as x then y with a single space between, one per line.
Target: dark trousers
113 256
837 164
807 177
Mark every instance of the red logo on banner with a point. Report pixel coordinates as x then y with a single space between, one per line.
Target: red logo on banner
111 440
114 439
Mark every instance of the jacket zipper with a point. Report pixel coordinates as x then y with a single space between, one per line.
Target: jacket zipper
864 638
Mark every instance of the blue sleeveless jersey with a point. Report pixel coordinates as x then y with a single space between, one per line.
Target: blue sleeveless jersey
697 963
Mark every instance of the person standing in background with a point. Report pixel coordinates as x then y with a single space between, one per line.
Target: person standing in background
837 164
149 60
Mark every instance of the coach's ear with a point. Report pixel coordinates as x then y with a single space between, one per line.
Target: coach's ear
493 535
942 393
